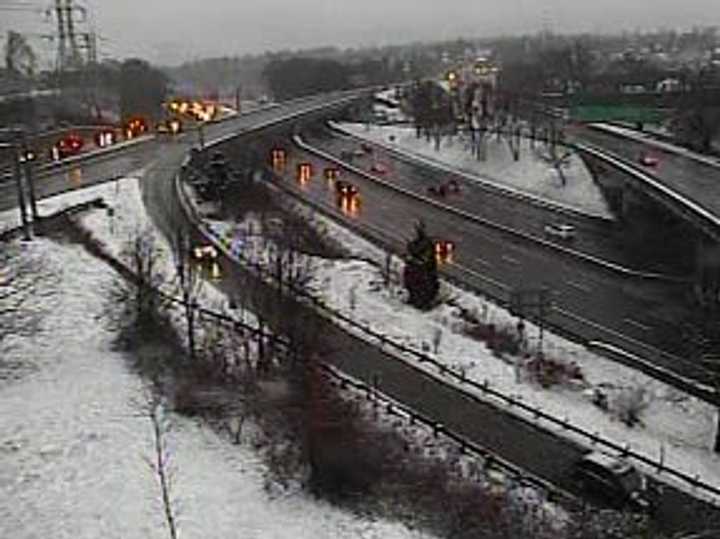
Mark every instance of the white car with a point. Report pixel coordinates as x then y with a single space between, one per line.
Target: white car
560 231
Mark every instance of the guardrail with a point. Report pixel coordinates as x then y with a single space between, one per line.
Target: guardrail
487 184
695 388
533 415
590 259
500 294
346 96
709 222
490 459
667 143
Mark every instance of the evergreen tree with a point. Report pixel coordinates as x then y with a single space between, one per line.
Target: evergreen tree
420 276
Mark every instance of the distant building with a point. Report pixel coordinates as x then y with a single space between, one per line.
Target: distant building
632 88
669 85
715 57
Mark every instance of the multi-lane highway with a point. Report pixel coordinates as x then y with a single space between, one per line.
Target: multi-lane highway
592 302
598 237
523 444
125 159
392 216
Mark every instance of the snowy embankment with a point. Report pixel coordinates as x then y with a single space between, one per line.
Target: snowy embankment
675 427
74 441
532 175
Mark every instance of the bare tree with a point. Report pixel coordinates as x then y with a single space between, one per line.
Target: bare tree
556 154
289 265
152 407
190 284
697 121
134 306
19 55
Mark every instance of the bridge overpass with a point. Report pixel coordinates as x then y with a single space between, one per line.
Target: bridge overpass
683 182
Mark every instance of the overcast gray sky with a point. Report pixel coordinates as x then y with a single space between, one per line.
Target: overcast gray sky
175 30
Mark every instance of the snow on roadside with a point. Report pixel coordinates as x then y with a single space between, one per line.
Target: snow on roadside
678 425
530 175
73 445
129 208
682 424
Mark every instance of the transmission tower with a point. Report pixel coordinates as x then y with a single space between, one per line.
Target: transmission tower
67 13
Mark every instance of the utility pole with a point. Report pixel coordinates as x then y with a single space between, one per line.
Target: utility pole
68 55
72 37
21 193
22 166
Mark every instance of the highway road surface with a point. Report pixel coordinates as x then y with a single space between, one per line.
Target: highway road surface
523 444
602 238
639 315
124 160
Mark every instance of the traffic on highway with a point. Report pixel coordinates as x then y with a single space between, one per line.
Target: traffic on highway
461 288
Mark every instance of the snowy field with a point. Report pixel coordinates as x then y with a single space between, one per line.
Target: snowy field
675 425
74 442
530 176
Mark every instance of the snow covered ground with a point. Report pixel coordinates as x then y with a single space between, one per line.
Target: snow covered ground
388 95
676 425
383 113
531 175
386 113
74 443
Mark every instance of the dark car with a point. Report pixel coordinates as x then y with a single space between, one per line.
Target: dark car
345 189
444 189
67 147
614 481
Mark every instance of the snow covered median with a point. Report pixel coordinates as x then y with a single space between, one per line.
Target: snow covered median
674 428
531 176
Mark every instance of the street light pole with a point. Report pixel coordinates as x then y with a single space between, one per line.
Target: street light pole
21 193
28 159
201 134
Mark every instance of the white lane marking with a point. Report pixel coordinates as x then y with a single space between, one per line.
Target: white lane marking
579 286
510 260
637 324
502 286
483 262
